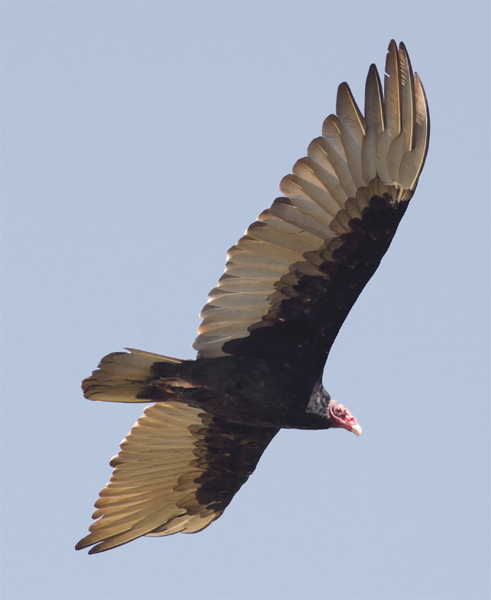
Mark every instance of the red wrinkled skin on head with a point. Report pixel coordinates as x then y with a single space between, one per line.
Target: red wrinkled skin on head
341 416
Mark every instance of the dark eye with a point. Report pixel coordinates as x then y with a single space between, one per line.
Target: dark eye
338 410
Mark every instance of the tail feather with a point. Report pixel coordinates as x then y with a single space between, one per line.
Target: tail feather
121 376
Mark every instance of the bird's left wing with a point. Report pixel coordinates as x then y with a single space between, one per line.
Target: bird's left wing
290 282
177 471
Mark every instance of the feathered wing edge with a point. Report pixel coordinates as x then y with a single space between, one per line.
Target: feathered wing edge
152 481
177 471
382 152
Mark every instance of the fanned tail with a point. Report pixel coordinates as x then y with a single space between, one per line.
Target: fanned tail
122 376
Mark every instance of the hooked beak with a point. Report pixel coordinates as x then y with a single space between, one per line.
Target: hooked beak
356 429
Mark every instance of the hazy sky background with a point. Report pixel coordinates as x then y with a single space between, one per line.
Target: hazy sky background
140 139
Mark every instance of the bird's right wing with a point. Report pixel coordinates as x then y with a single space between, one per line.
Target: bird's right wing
290 282
177 471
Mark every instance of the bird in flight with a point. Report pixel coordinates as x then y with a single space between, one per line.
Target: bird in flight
269 324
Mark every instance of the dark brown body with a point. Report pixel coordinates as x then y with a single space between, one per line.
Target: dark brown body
243 390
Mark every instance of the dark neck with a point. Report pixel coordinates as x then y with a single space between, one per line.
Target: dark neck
317 409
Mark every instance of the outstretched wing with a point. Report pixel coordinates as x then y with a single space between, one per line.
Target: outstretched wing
177 471
290 282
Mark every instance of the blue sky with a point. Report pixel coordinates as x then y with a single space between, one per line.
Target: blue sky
140 139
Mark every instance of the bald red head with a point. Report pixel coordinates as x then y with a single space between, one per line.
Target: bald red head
341 417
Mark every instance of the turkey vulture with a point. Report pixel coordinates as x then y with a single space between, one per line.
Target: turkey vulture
268 326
